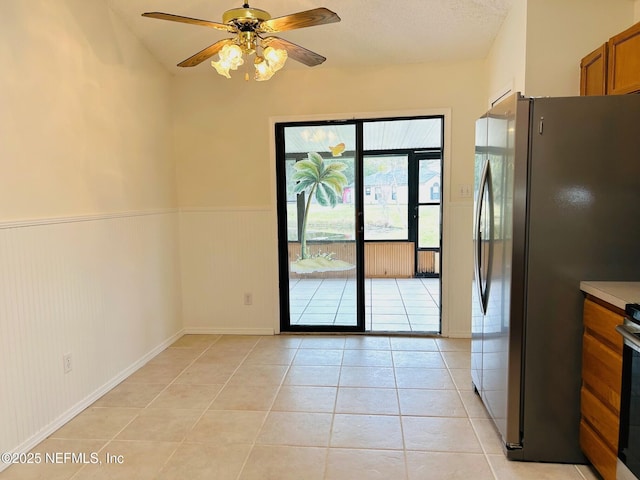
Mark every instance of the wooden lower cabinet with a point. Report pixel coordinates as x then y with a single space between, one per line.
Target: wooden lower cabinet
598 453
601 380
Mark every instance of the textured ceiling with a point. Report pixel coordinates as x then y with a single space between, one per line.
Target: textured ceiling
372 32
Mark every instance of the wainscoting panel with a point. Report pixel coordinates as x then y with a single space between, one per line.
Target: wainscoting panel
226 254
103 289
457 266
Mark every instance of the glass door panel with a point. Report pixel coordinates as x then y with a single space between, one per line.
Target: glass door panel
386 197
429 226
429 211
430 181
292 202
322 251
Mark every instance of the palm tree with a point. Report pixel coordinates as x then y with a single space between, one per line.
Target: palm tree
325 180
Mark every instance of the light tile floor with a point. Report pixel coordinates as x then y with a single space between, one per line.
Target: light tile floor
291 407
391 304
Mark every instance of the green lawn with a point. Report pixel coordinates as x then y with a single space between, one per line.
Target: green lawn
381 223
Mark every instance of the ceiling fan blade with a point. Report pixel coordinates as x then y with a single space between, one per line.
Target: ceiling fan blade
191 21
309 18
208 52
298 53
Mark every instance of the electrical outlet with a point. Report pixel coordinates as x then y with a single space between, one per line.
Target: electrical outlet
248 299
66 362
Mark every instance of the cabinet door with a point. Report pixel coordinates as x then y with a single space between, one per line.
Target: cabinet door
624 61
593 72
602 457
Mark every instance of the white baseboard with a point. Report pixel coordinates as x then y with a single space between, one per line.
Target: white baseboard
227 331
459 335
41 435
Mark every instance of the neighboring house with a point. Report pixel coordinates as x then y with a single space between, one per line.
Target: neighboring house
385 188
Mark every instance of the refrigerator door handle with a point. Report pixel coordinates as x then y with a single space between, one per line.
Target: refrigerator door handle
482 283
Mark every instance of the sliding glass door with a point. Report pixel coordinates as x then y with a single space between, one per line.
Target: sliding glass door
359 221
319 259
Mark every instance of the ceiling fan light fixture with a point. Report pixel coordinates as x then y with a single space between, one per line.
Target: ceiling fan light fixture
275 57
263 69
248 42
272 60
230 59
249 25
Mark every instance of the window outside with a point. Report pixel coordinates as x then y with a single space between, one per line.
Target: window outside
386 180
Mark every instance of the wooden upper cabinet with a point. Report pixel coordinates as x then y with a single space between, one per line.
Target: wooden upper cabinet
613 68
593 72
624 62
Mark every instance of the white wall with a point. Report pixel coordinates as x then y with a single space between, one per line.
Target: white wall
224 168
636 11
101 288
506 61
225 253
88 224
540 43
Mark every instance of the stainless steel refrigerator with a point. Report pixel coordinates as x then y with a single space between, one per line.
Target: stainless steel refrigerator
557 201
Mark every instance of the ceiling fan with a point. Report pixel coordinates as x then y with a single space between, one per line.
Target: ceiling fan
250 25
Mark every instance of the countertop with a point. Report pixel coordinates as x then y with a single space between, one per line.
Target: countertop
618 294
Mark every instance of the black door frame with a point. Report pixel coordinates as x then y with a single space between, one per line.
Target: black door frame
359 153
415 204
283 235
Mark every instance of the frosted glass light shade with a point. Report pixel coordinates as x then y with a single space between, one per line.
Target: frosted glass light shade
275 57
263 70
230 59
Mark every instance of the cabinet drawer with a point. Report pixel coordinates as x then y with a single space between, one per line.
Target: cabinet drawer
600 455
600 417
602 323
602 371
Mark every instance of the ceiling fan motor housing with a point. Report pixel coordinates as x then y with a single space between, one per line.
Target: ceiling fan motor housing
245 18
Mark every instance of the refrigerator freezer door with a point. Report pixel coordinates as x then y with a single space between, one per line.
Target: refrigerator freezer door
477 310
501 352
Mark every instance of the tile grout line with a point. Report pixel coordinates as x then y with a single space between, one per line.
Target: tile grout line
335 317
441 346
473 427
400 415
113 438
206 409
333 415
270 408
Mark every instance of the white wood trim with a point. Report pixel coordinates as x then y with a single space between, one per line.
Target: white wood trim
47 430
258 208
82 218
227 331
